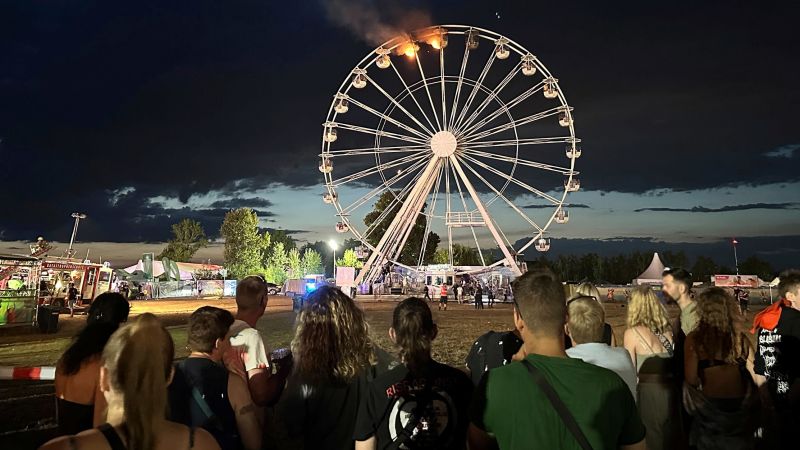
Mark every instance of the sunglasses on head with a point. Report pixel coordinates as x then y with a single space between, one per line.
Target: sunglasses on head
580 297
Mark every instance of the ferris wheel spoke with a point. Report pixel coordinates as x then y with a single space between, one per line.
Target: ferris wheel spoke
459 83
388 118
515 123
372 150
447 207
467 129
521 184
376 132
375 169
466 210
416 102
444 91
516 142
417 208
398 105
522 162
427 90
435 195
494 95
384 186
385 213
503 197
474 91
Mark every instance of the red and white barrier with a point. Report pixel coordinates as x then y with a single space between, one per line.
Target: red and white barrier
27 373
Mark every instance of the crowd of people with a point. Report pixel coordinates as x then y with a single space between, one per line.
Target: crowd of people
557 380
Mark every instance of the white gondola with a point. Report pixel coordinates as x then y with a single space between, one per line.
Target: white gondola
543 244
502 50
383 61
562 216
329 135
550 90
573 151
572 185
565 118
528 67
359 79
326 166
341 105
342 227
329 198
473 39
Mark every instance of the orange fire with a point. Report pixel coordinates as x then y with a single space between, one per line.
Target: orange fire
409 49
436 43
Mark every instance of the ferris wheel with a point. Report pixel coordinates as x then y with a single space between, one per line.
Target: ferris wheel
456 130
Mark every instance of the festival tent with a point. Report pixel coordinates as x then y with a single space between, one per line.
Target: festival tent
651 275
158 270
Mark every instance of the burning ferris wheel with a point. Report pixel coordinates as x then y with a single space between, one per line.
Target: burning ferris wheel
458 130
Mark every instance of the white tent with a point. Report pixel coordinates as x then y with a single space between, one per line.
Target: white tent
651 275
158 270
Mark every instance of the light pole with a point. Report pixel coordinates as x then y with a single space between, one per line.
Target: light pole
78 217
735 257
333 246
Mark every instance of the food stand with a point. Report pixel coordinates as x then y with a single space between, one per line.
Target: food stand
18 286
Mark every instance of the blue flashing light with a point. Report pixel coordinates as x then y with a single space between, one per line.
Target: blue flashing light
311 287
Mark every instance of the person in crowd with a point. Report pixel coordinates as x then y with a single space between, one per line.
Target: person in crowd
428 293
744 301
677 284
443 297
590 290
492 294
548 400
136 368
609 295
72 299
79 400
478 296
205 394
491 350
585 328
333 361
421 403
719 391
777 360
247 346
649 341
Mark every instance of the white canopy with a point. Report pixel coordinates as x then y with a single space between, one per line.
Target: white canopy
651 275
158 270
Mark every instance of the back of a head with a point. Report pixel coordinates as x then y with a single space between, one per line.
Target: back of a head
790 281
681 276
542 304
88 343
331 340
414 331
138 358
250 291
109 307
587 290
720 328
644 309
586 319
206 325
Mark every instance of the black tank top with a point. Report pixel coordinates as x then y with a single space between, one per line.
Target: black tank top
199 398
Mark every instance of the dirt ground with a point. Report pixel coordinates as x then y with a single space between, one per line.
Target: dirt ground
28 407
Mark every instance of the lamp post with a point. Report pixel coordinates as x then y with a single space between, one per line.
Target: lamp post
78 217
735 257
333 246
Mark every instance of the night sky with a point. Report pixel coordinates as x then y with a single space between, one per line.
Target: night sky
142 113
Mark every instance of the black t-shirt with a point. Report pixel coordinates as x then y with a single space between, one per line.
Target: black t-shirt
427 411
493 349
778 356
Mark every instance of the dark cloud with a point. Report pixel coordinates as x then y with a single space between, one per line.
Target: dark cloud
703 209
573 205
233 203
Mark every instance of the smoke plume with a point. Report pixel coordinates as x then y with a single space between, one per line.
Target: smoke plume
375 21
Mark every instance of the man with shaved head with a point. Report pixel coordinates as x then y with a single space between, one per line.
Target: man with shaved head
251 303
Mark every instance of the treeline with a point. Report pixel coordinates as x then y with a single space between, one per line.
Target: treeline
623 268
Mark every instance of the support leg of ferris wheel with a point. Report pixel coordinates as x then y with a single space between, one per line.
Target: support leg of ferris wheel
487 220
400 221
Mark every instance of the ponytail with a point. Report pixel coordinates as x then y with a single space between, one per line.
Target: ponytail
139 361
414 331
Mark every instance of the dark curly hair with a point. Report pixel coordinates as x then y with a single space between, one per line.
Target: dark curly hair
720 332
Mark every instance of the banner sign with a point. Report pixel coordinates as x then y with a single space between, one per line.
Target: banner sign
62 266
749 281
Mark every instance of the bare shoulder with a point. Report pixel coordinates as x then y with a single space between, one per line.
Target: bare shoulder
204 441
177 436
86 439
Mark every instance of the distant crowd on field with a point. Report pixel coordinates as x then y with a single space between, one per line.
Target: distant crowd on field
557 380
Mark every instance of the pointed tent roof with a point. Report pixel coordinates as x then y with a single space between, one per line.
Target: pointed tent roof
651 275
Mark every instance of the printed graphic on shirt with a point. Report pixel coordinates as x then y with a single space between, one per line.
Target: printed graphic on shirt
769 352
421 417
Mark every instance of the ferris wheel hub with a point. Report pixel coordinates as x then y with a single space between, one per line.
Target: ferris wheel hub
443 144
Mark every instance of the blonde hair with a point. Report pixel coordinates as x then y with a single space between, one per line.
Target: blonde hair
719 333
331 342
644 309
587 290
138 358
586 320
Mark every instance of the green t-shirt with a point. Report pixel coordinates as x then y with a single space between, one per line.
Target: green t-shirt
509 405
689 318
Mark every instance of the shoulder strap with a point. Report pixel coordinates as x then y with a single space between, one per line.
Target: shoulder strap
665 343
641 339
191 437
111 436
558 405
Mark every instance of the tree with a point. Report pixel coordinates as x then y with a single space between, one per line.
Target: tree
757 266
349 259
295 263
312 261
465 256
704 268
242 242
410 253
441 257
265 246
281 236
189 237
